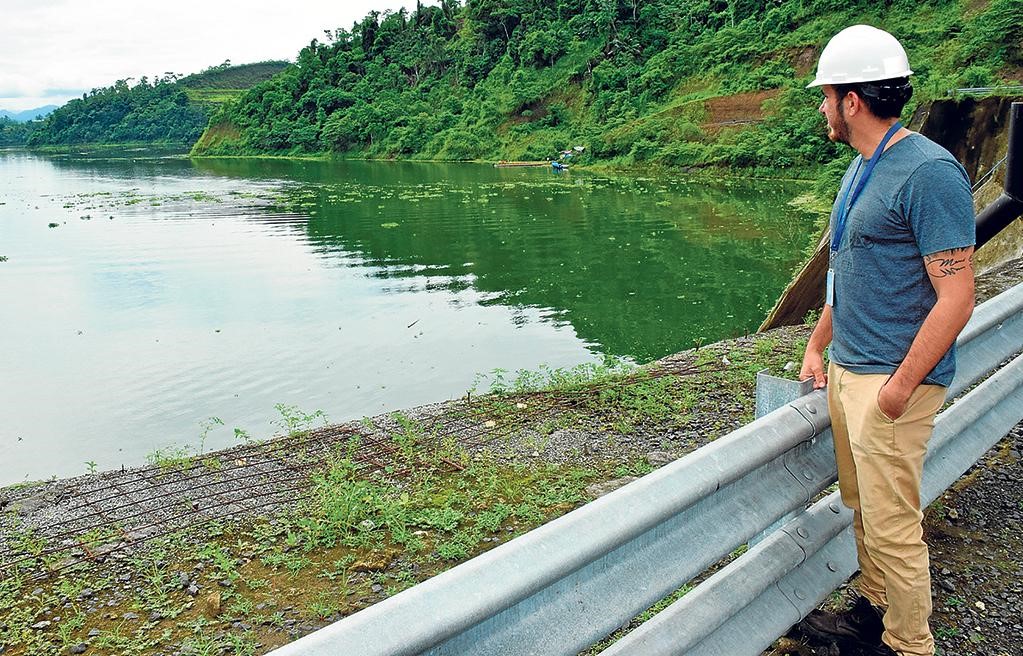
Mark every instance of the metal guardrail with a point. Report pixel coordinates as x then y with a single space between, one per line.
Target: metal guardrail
982 90
567 585
987 176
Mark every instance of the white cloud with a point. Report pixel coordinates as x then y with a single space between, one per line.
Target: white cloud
52 50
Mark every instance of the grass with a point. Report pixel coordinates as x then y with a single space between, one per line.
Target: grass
325 558
214 96
361 535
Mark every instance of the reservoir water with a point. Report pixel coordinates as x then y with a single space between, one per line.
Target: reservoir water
142 294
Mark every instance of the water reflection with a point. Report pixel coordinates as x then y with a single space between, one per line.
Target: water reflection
641 267
170 291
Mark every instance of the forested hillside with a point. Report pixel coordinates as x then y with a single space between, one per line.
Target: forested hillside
15 133
166 110
676 82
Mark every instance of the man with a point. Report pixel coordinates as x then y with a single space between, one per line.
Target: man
900 289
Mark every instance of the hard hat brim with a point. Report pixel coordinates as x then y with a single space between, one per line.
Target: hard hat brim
819 81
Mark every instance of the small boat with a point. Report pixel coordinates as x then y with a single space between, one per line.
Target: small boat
558 166
503 164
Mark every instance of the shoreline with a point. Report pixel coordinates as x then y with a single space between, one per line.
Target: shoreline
796 175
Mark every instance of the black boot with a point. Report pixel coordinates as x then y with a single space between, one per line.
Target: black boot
860 626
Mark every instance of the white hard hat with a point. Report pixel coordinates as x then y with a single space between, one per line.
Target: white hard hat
861 53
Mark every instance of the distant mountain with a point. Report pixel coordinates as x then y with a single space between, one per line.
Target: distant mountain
28 114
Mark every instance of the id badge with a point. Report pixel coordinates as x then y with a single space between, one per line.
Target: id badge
829 295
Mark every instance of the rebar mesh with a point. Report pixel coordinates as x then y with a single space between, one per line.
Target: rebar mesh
106 515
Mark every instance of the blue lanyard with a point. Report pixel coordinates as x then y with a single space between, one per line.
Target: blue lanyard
847 202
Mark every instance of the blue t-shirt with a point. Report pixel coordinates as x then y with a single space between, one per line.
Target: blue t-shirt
916 202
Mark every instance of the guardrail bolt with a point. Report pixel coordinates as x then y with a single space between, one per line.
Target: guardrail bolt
802 532
799 594
832 566
833 507
812 410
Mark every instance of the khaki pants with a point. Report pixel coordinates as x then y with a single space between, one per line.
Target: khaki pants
880 464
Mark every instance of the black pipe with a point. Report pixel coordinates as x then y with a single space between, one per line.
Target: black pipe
1009 206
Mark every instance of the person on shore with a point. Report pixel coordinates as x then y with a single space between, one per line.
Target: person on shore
899 291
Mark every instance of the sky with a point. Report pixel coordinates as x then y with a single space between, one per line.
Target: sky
54 50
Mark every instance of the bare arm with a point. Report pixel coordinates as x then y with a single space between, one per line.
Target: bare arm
813 359
951 274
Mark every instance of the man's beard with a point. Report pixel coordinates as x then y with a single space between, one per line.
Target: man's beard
838 130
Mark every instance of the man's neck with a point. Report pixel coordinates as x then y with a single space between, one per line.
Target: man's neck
869 134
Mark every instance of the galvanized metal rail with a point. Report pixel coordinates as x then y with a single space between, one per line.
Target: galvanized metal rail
567 585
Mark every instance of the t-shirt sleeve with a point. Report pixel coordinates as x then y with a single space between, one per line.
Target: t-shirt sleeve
938 204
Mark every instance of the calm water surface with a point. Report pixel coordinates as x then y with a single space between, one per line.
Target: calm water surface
170 291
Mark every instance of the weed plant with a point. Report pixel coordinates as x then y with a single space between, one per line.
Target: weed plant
360 534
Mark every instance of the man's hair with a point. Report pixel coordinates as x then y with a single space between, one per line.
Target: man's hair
884 98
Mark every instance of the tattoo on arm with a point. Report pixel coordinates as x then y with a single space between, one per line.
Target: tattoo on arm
949 263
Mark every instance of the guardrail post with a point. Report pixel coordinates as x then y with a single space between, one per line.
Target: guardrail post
772 393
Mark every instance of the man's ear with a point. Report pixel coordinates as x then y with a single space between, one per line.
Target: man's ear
853 103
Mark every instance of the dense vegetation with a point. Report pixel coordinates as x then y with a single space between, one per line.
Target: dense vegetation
676 82
169 109
15 133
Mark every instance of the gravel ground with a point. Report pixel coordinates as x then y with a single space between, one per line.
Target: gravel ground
974 533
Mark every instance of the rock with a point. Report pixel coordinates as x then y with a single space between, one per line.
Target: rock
193 589
377 587
597 490
183 580
374 561
39 626
155 616
94 632
79 648
130 616
29 505
210 605
946 585
86 593
105 550
659 458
